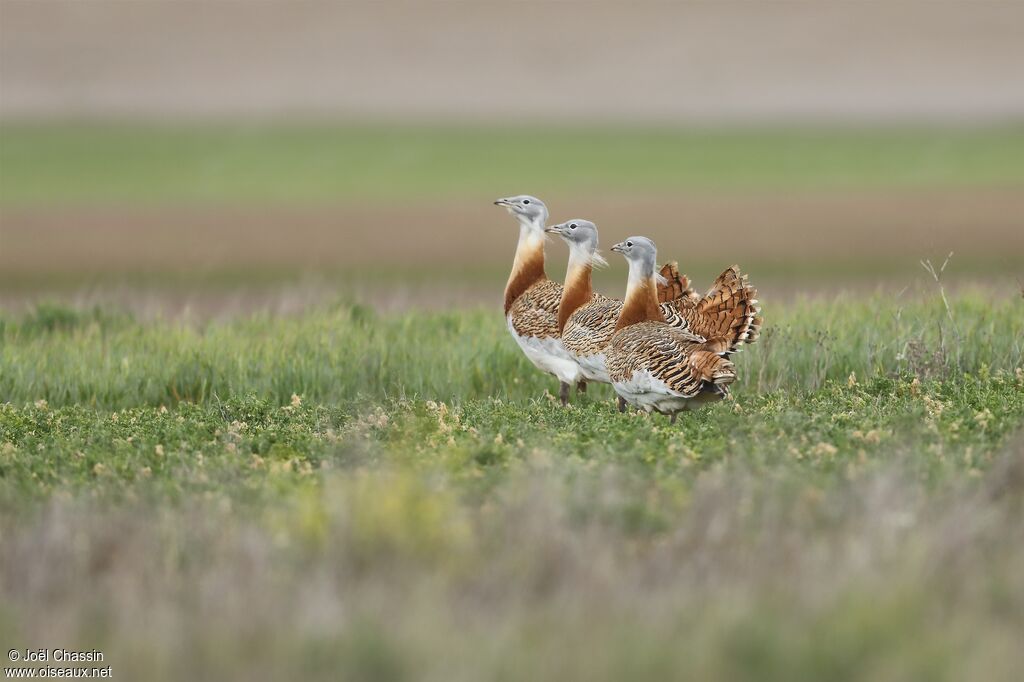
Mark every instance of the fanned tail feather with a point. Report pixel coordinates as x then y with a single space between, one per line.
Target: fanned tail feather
729 310
676 287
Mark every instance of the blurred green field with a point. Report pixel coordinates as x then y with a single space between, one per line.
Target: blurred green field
47 164
388 497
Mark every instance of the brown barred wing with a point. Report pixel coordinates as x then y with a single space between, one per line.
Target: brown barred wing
535 312
591 326
672 355
677 314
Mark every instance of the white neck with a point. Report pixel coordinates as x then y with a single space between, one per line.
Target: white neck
639 275
528 226
580 256
531 234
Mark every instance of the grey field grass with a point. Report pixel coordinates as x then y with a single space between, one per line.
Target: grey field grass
349 494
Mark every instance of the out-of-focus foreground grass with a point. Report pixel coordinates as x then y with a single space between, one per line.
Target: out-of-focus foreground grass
129 164
344 494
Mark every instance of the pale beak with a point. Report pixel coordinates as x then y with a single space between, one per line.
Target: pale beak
554 229
502 202
619 248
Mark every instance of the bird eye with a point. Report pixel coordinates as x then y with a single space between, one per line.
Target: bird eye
573 226
630 244
526 201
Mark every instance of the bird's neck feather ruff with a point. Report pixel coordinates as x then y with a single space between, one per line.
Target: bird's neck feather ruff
641 304
528 266
578 290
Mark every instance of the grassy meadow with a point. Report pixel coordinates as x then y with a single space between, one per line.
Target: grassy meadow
401 497
351 490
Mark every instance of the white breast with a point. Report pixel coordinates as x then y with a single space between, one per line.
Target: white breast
548 355
594 368
650 393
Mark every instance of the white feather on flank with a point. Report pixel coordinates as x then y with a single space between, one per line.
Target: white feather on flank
660 279
597 260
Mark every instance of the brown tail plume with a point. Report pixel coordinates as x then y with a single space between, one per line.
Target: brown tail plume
729 310
677 286
716 372
717 344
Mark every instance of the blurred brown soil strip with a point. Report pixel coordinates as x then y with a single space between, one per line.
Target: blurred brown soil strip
204 263
981 225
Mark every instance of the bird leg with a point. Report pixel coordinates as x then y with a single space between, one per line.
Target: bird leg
581 386
563 393
672 420
622 404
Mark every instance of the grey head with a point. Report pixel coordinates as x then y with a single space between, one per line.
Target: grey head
577 233
525 208
641 253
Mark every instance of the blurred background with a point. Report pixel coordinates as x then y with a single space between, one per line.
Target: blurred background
205 158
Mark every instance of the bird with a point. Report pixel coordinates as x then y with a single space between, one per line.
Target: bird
666 369
587 320
531 299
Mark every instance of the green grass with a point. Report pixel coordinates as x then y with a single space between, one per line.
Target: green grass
348 354
132 163
347 494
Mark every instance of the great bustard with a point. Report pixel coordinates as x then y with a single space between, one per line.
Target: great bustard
531 299
663 368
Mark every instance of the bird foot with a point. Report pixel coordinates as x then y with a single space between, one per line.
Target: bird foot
622 404
563 393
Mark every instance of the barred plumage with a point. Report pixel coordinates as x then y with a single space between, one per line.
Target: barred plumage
673 356
729 312
535 311
676 286
590 327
